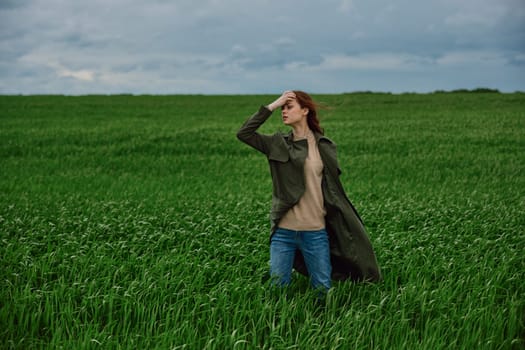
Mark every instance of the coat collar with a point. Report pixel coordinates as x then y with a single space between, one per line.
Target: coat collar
318 137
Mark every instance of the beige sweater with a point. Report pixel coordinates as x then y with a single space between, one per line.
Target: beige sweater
308 214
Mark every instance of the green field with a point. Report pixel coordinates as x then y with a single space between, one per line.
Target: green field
141 222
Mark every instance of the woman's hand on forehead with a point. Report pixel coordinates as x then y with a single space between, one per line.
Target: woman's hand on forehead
282 100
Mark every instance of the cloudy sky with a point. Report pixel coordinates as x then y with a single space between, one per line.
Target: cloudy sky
259 46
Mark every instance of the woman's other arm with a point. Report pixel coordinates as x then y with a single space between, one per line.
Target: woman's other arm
248 131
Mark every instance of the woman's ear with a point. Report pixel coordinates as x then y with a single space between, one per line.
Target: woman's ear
305 111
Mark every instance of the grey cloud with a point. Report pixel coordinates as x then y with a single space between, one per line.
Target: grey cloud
12 4
517 59
275 54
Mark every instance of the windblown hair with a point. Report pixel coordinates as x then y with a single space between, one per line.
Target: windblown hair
305 101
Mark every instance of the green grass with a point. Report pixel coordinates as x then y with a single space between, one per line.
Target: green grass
142 222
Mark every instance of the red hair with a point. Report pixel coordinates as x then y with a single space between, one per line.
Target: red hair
305 101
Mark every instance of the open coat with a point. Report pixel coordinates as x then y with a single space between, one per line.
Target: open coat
352 255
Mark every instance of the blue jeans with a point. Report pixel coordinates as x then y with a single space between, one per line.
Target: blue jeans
316 252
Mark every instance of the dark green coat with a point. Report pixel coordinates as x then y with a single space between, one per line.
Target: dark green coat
351 252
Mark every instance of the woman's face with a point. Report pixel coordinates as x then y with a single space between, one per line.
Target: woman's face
292 112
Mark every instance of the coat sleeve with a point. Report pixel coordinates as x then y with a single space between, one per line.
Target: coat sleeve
248 131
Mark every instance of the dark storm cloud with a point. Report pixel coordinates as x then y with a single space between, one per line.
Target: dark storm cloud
11 4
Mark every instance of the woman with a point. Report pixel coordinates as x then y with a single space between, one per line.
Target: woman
314 227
